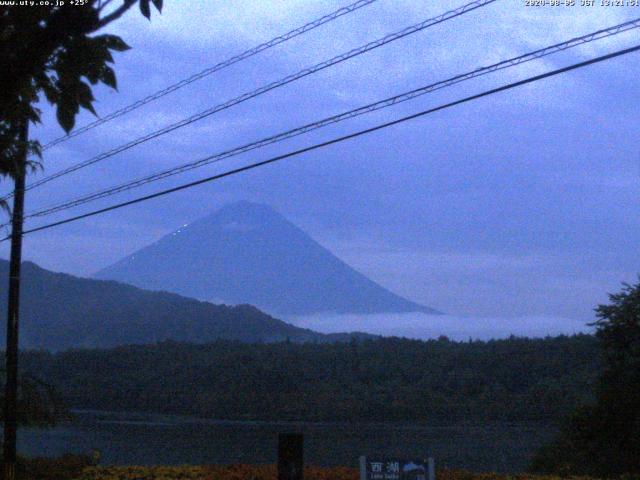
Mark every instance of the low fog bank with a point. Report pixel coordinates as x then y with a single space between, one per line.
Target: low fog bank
424 327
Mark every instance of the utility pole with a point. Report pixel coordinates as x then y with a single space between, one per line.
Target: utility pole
11 386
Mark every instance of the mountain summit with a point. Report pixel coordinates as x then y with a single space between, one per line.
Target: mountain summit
248 253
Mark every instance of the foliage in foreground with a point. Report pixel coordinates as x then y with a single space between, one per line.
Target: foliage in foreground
603 439
215 472
66 467
53 51
268 472
79 467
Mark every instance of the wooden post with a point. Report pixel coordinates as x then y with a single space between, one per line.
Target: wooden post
290 456
11 386
363 467
432 469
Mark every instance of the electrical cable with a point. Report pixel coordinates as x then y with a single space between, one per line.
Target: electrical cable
388 102
337 140
279 83
215 68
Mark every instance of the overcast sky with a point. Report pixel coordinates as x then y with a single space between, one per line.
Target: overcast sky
521 205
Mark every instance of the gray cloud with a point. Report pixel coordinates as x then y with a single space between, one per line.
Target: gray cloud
521 205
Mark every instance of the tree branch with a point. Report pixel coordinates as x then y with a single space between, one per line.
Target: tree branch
103 5
116 14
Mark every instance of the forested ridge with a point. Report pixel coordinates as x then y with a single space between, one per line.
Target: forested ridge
60 311
385 379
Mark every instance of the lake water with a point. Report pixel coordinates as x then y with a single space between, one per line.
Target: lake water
142 439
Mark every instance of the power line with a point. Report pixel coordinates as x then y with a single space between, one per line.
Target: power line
388 102
279 83
215 68
339 139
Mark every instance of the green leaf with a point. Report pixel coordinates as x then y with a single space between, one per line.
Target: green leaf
85 97
113 42
35 148
107 57
108 77
144 8
50 91
66 114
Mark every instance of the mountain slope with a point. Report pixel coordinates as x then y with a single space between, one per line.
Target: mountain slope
60 311
248 253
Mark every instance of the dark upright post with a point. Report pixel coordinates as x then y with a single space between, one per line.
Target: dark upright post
11 354
290 456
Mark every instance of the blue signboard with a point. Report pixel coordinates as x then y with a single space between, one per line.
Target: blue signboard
376 468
